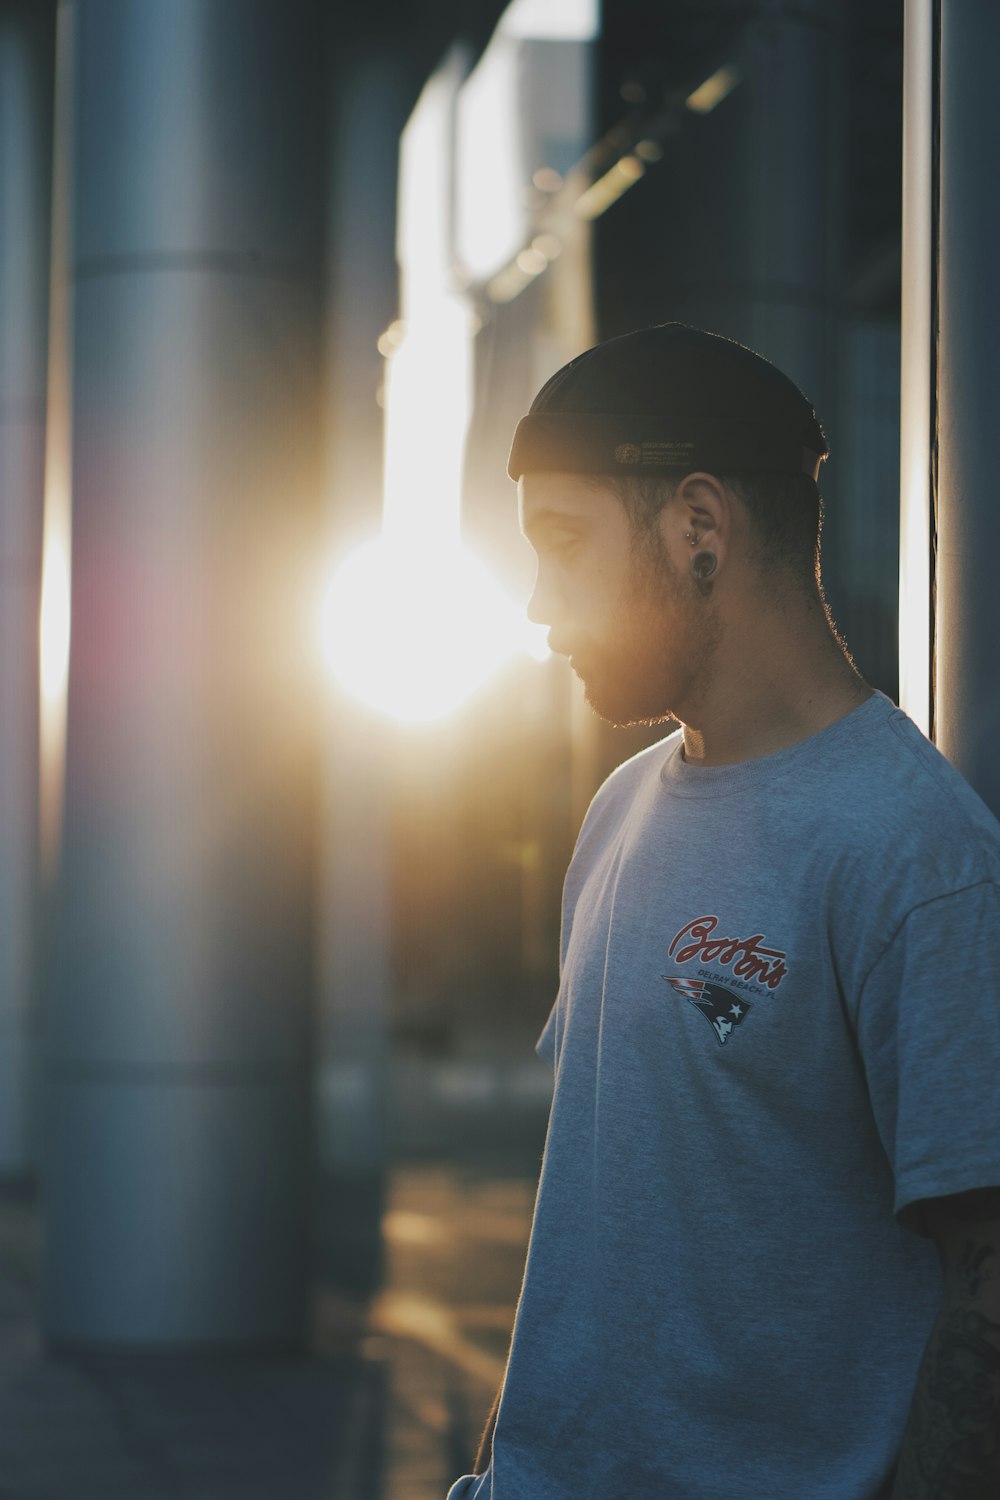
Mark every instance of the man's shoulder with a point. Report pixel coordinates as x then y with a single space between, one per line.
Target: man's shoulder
626 778
907 773
902 802
626 784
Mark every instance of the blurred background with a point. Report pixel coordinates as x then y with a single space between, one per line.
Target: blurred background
287 784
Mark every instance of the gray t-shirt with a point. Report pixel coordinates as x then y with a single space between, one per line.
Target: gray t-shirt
777 1028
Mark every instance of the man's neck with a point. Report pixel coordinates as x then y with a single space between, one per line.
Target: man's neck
789 682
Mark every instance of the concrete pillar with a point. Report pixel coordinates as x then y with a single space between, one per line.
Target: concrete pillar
27 67
968 605
178 990
372 91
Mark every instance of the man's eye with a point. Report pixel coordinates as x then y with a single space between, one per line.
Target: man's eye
564 546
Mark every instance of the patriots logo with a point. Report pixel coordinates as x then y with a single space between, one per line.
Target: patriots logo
721 1007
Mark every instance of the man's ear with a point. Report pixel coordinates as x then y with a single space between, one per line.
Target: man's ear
698 519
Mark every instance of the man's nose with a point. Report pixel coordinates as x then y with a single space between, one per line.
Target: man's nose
541 605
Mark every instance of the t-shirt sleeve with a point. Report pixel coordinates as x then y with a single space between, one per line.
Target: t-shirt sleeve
469 1487
928 1028
546 1044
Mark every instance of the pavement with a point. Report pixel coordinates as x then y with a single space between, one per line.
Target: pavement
386 1403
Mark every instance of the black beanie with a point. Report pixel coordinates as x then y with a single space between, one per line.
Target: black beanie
668 400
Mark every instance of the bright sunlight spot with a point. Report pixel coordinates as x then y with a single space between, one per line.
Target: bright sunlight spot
412 623
573 20
53 650
492 216
711 93
413 634
54 623
427 408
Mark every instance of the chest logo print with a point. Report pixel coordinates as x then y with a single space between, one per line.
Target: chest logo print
748 957
722 1008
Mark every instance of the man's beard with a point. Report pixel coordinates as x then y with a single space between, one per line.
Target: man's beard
626 686
660 648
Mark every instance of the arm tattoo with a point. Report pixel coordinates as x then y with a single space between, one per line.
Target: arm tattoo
951 1447
974 1269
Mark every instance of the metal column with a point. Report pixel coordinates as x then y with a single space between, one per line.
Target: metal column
968 604
371 92
176 1157
27 64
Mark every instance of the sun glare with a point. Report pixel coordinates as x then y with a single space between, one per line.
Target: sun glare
414 633
54 623
413 623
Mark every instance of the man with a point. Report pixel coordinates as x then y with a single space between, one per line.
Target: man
765 1257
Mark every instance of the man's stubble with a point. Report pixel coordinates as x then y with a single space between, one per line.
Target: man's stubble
661 649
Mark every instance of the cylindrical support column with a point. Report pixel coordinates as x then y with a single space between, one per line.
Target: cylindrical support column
177 1158
27 68
371 92
968 603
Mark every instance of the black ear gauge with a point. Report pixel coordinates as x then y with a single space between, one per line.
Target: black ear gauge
703 565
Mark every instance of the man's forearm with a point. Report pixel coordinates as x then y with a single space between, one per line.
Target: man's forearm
951 1447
